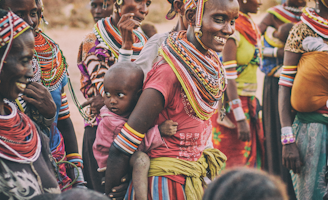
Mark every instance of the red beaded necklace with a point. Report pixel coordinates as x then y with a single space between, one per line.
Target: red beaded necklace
19 138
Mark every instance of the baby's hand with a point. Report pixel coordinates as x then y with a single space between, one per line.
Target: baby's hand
168 128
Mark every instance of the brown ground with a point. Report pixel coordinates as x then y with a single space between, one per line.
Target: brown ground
69 40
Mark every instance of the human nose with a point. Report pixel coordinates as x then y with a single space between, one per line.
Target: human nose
98 9
144 9
112 101
29 72
28 19
228 29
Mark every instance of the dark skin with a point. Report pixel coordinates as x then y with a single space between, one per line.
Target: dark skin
17 68
290 152
97 10
35 93
230 53
271 20
151 101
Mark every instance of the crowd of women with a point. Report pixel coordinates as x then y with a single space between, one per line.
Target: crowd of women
166 113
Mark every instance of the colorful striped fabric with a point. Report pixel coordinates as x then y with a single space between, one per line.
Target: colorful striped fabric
64 112
284 15
317 23
287 76
160 188
230 67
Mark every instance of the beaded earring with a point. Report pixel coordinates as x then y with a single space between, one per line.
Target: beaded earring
317 8
105 4
244 1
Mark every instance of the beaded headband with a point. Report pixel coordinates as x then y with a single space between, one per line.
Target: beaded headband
11 26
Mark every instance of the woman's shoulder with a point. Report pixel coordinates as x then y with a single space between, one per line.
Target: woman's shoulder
296 36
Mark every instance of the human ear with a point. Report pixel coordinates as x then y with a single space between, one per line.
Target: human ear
191 16
178 6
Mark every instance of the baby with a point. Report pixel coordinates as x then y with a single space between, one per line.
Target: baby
123 86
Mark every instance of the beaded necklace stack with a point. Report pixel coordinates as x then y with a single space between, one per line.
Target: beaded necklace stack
286 14
19 138
202 77
315 22
108 34
51 61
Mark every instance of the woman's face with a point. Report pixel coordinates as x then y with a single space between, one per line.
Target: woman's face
218 22
140 8
252 6
18 66
97 10
25 9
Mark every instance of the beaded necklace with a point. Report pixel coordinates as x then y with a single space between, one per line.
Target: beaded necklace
315 22
51 61
286 14
202 77
19 138
108 34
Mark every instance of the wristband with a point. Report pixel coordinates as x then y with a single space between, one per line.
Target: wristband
235 103
125 55
287 136
268 52
275 52
239 114
48 122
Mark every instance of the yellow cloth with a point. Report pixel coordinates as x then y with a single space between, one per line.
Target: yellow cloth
212 160
310 88
247 80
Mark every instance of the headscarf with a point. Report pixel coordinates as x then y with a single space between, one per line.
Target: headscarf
11 26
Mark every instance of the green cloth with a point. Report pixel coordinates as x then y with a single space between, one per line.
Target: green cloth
211 161
312 117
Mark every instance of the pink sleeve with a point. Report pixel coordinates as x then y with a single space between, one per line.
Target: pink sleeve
162 79
152 140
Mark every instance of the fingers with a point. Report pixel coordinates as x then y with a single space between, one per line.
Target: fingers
88 102
30 100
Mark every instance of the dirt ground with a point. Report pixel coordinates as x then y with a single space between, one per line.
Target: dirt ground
69 40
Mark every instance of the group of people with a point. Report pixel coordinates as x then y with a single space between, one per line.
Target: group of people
166 113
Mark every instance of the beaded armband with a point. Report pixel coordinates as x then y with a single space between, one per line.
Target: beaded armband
287 136
76 159
237 109
64 112
287 76
128 140
77 165
231 73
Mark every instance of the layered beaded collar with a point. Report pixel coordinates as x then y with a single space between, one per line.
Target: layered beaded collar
286 14
318 24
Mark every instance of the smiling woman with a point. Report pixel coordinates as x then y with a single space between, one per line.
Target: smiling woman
25 168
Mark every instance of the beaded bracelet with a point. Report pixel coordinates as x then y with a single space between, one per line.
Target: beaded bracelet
128 140
287 136
76 159
124 55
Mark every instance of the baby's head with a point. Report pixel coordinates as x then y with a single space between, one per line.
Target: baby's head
123 86
283 31
149 29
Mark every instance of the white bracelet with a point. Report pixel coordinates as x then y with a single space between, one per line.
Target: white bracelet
268 52
125 55
48 122
275 52
286 130
239 114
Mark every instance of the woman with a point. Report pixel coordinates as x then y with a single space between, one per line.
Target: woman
100 10
50 71
304 140
171 93
25 167
113 39
277 16
243 145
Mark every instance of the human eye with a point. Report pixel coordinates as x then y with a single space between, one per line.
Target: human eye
219 19
93 5
27 60
107 94
148 3
120 95
34 13
19 14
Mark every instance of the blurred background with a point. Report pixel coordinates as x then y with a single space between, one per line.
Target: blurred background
70 20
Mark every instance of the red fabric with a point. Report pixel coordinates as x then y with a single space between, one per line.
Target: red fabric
190 140
109 127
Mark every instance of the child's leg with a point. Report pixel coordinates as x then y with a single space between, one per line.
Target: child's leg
140 163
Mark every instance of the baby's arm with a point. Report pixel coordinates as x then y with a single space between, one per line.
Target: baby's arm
140 165
314 44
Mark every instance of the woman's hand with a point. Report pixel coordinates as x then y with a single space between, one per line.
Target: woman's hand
119 192
126 25
96 103
291 157
244 133
39 96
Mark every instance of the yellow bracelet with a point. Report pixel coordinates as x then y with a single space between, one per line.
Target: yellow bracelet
134 131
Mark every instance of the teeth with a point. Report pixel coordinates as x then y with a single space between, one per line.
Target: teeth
21 86
220 39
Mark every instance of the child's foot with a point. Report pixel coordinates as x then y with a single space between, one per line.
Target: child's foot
226 122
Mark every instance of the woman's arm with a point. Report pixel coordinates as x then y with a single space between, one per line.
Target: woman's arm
150 104
290 153
229 54
266 21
